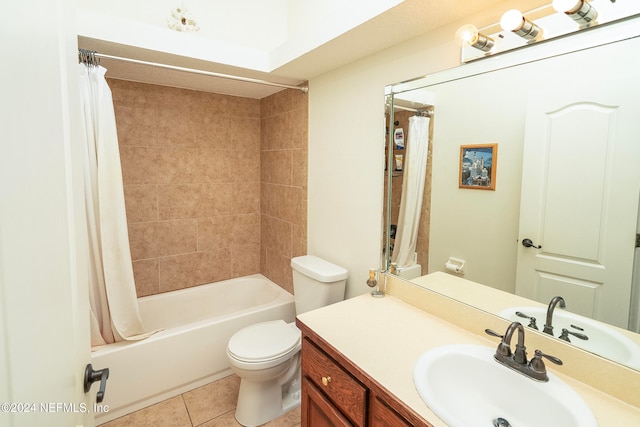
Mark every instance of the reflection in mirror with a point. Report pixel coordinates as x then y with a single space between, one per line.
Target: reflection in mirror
408 171
567 129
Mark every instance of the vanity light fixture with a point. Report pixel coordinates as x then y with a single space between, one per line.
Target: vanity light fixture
468 35
578 10
514 21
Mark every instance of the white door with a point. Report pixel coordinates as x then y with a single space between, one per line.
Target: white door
44 333
579 200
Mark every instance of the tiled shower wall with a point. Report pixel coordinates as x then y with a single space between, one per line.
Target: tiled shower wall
191 166
283 178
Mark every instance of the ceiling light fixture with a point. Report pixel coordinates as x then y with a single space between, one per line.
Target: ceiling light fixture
578 10
468 35
514 21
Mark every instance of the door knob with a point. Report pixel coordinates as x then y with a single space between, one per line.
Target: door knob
527 243
91 376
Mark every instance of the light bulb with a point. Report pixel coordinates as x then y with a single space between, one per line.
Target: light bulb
514 21
468 35
578 10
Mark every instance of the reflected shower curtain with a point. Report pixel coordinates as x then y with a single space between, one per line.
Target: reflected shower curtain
415 170
114 306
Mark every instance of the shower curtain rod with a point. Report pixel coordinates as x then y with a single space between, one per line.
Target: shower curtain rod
418 111
304 89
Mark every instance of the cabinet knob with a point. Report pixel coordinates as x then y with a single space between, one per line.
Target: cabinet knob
326 380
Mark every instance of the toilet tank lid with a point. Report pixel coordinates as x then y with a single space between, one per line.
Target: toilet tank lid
318 269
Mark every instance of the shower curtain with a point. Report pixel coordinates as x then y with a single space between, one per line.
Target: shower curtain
415 170
114 306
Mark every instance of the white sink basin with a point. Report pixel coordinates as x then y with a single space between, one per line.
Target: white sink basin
465 386
603 340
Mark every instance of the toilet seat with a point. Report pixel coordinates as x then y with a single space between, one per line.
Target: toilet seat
264 342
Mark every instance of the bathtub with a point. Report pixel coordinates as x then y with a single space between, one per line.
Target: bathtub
190 351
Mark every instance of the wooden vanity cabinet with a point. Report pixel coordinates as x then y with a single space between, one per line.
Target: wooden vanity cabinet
335 392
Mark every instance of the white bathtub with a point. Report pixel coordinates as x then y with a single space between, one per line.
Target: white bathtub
191 350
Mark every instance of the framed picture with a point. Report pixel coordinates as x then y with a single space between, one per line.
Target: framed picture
478 166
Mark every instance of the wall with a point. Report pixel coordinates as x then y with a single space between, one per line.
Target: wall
283 172
191 165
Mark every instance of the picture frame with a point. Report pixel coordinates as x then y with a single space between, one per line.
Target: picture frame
478 165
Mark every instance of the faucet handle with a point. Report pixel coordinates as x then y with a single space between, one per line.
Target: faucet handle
493 333
503 349
565 335
537 364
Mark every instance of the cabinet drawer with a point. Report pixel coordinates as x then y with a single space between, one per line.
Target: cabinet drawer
346 393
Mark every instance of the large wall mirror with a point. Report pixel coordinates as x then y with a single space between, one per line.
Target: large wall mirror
562 133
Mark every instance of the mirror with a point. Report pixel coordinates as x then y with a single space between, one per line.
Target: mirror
494 102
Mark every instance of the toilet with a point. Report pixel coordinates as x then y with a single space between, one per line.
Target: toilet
266 356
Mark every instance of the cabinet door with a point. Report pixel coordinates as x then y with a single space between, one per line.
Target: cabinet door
383 416
339 386
317 411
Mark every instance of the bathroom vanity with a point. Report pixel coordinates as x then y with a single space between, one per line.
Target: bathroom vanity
358 358
337 392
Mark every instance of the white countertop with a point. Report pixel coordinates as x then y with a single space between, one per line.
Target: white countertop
385 337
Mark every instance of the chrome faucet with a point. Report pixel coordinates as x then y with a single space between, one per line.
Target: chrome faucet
548 326
517 360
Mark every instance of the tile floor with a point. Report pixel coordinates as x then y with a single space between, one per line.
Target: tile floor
212 405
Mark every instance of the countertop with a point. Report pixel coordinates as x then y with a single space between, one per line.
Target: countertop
385 337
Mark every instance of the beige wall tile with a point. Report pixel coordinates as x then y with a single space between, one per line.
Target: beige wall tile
180 201
278 269
276 167
245 134
228 230
245 259
197 268
145 274
141 202
299 174
143 240
192 166
177 237
276 235
136 125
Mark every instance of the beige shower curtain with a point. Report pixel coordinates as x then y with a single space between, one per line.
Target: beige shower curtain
114 306
415 169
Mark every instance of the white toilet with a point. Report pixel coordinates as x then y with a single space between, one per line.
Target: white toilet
266 356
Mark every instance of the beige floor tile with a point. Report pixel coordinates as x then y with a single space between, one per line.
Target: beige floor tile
290 419
227 419
168 413
212 400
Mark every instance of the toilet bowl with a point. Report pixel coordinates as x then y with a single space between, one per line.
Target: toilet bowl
266 356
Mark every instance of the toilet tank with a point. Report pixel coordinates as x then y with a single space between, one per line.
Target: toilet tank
316 282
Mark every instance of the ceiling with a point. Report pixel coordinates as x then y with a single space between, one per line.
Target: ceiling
406 20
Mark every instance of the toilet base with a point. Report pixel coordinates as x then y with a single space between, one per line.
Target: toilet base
261 402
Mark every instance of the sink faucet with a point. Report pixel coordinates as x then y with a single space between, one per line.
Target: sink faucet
517 360
548 326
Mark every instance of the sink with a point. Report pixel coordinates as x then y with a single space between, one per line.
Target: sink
603 340
465 386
